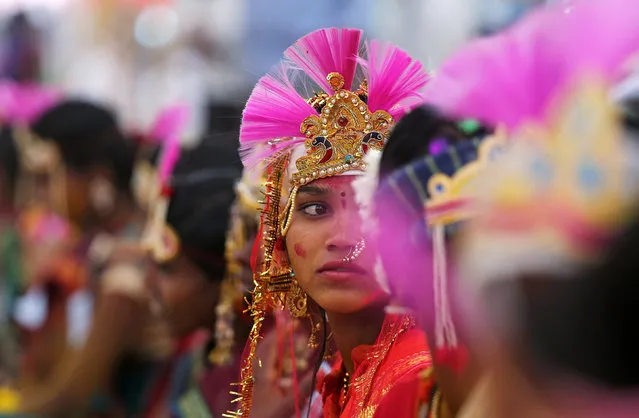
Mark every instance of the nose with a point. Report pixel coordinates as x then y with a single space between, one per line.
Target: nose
345 232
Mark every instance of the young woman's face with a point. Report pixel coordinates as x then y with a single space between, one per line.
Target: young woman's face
325 229
186 296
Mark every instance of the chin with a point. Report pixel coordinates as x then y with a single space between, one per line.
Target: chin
350 301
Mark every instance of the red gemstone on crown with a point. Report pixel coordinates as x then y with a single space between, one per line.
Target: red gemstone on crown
342 121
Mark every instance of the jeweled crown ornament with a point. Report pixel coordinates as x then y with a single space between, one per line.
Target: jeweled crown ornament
340 136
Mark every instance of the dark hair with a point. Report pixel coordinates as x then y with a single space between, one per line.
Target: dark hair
9 162
585 324
412 137
199 212
407 165
88 136
224 117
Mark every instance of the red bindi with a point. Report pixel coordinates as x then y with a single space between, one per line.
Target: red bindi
299 250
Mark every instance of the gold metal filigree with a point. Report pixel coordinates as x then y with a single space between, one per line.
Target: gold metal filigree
340 136
262 298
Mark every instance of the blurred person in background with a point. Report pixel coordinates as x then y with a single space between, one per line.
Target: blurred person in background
20 175
548 256
10 284
190 278
422 186
72 354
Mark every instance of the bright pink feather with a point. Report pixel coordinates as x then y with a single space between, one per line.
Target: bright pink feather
395 80
277 106
24 103
168 130
168 158
274 110
170 123
325 51
514 77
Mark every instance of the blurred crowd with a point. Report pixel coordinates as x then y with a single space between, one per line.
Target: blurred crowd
270 210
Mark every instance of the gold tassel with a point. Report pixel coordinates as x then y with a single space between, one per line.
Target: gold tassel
262 298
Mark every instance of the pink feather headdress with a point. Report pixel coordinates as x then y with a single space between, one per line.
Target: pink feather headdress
298 88
513 77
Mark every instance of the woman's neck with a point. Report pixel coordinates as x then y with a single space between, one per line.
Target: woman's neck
355 329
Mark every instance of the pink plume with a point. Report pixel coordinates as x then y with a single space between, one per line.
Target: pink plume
24 103
168 159
395 80
514 77
169 123
168 129
325 51
274 110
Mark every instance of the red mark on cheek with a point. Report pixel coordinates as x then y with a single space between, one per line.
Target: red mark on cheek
299 250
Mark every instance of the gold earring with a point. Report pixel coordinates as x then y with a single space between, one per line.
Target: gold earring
297 299
313 339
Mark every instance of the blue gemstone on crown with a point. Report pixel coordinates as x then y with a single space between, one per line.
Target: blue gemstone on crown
349 159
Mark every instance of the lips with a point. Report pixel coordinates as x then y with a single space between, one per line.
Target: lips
341 270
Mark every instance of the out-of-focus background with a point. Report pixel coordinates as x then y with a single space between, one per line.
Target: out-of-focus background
140 55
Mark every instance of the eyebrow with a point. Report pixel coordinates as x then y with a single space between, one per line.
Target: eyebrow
314 190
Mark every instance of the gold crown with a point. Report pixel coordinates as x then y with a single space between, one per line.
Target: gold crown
343 132
451 197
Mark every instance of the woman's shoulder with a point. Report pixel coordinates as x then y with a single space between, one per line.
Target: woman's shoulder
408 357
415 395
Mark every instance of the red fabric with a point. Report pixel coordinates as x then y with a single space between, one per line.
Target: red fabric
407 397
396 367
454 357
403 400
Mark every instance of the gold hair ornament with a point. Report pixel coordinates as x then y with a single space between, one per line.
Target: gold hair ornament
341 135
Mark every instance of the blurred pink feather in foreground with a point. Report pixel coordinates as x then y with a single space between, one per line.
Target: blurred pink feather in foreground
513 77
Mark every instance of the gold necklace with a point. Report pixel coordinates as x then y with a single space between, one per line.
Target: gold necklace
345 386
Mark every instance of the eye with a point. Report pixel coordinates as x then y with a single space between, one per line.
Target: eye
314 209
